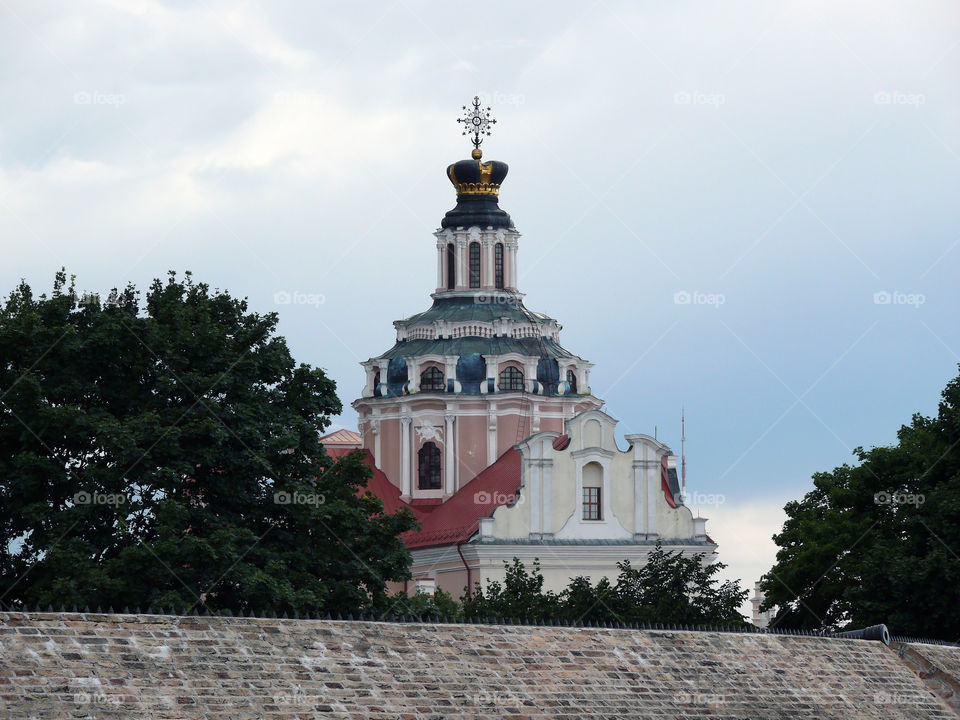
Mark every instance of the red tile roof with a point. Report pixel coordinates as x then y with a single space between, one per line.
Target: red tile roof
380 486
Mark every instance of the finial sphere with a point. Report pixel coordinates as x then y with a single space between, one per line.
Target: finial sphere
476 122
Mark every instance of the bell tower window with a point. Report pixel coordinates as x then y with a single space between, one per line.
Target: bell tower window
474 265
428 467
498 265
451 267
572 381
431 380
511 379
376 384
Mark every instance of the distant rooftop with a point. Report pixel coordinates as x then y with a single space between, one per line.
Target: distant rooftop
342 439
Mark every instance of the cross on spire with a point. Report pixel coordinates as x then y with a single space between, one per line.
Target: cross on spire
476 122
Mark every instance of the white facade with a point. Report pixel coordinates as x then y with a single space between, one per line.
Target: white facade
548 519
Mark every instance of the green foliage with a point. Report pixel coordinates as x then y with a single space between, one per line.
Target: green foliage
878 542
439 605
668 588
146 453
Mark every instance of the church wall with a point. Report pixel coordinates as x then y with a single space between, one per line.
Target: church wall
390 449
472 447
560 563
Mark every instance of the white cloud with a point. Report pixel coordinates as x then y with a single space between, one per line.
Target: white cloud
743 531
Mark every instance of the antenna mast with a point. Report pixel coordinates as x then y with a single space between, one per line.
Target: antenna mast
683 447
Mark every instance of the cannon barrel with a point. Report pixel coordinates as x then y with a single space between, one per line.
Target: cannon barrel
874 632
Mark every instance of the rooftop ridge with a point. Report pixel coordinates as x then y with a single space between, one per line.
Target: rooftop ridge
412 619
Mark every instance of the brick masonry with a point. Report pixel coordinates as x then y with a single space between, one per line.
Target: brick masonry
937 666
62 665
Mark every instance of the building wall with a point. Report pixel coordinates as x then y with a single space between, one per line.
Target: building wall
551 494
511 414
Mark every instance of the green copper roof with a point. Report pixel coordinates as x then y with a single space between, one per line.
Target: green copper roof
484 346
474 309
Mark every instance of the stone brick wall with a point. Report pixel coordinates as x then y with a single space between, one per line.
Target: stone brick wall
61 665
938 666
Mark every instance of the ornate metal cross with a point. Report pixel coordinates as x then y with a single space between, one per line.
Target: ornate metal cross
476 121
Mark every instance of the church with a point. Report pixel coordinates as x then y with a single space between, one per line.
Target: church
481 423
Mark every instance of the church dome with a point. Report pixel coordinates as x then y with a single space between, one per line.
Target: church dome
478 187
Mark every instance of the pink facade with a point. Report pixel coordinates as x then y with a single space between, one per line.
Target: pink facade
477 372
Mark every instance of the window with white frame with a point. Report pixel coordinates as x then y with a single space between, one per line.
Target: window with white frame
592 491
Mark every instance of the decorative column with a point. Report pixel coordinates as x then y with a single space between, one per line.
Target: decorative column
369 388
493 367
441 246
547 504
639 493
450 372
413 375
405 443
651 481
491 434
384 367
450 453
375 431
461 255
530 374
487 274
532 491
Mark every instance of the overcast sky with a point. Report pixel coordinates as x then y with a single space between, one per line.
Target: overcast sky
785 167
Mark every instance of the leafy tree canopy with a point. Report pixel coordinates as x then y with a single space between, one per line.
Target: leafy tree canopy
669 588
165 453
879 541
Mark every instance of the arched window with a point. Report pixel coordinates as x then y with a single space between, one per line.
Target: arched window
428 467
572 381
431 380
511 379
376 384
451 267
498 265
592 491
474 264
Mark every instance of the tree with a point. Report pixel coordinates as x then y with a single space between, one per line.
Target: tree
878 541
673 588
168 455
668 588
519 597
